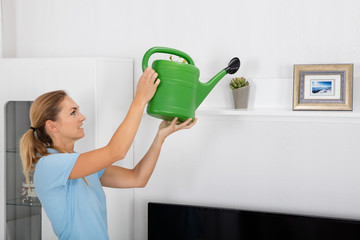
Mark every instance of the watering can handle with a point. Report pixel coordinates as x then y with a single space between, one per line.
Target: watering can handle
151 51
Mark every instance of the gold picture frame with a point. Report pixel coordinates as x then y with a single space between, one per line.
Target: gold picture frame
323 87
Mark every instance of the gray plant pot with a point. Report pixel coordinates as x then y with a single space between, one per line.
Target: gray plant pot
241 97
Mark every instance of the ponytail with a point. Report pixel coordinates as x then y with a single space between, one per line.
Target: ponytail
27 153
27 156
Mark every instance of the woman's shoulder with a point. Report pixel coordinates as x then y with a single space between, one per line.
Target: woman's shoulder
55 157
55 167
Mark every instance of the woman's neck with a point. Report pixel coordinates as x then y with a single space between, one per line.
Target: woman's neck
64 147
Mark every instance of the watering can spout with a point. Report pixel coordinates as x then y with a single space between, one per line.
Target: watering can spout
204 89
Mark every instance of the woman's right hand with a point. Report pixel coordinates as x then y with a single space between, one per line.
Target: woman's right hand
166 127
147 85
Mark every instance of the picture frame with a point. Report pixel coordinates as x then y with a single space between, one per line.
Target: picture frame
325 87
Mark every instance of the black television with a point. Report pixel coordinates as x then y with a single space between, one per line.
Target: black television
185 222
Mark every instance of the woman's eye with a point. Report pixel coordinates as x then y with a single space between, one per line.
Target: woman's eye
73 113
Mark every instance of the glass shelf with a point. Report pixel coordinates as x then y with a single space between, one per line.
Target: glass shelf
12 151
19 202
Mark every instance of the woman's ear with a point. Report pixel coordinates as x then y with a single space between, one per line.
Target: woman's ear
50 126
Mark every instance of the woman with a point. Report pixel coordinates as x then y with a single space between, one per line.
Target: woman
69 184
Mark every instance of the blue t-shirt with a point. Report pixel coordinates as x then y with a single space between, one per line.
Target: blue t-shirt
75 209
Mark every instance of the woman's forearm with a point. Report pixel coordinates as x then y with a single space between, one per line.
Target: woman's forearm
118 177
144 169
120 143
122 139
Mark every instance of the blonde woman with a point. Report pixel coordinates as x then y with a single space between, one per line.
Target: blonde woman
69 184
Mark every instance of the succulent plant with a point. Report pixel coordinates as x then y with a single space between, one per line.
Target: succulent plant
238 82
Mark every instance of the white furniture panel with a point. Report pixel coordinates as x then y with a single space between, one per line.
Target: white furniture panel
103 89
114 94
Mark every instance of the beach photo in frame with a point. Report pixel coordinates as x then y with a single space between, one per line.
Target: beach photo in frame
323 87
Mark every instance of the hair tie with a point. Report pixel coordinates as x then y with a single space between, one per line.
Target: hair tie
32 128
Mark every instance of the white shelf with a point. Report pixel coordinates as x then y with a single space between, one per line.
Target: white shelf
284 114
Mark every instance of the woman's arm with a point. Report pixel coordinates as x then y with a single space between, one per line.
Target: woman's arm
118 177
93 161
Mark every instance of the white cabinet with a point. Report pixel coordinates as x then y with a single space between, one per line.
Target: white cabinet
103 88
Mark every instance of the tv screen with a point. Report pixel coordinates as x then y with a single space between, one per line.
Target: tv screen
175 222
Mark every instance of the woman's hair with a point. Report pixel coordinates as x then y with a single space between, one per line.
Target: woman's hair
34 143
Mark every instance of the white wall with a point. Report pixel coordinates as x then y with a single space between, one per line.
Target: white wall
284 164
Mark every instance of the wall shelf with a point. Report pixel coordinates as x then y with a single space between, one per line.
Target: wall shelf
287 114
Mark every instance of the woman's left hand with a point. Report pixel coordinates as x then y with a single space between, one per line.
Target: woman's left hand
166 127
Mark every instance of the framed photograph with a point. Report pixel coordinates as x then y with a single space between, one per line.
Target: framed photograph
323 87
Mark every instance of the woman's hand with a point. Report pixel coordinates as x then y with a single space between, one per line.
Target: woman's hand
166 127
147 85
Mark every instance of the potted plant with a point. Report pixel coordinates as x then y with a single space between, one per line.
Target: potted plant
240 89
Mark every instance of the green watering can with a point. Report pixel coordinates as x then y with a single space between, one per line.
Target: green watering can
180 92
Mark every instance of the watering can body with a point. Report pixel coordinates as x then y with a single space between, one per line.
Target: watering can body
180 92
176 93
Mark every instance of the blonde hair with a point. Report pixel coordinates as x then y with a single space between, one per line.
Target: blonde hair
34 143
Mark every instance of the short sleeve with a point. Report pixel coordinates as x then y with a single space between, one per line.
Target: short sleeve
55 169
101 172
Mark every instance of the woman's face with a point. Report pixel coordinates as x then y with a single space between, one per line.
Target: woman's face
70 120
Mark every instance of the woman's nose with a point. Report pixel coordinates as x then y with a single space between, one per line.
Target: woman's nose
82 117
